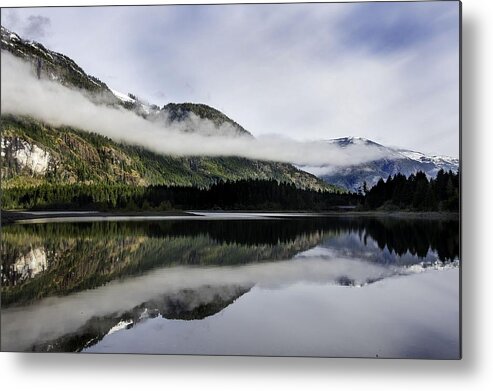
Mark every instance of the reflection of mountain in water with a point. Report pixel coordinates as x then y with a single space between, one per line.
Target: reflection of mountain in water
193 304
87 255
357 245
186 304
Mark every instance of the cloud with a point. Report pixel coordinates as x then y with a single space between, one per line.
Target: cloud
387 72
30 26
395 26
24 94
10 18
36 26
53 316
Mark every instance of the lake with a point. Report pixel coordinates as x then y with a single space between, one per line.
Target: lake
234 284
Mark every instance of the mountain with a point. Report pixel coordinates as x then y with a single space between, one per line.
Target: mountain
393 161
52 65
35 153
186 304
181 111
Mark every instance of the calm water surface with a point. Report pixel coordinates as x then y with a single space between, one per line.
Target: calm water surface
271 284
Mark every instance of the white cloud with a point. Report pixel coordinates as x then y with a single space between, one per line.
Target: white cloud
24 94
275 69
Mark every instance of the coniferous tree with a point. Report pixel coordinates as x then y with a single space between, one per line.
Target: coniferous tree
416 192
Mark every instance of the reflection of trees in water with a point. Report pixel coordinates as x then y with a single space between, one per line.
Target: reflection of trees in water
417 237
186 304
87 255
399 236
85 259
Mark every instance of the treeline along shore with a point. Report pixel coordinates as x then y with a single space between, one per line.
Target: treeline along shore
415 193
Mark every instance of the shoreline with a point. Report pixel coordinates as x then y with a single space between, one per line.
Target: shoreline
21 216
16 216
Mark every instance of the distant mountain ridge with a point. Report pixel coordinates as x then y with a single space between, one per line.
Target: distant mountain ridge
395 160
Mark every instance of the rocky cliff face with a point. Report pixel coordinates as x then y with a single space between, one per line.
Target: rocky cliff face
20 155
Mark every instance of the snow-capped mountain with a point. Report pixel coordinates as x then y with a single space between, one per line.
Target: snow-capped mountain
393 161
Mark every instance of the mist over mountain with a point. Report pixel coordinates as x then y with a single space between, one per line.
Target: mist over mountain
50 65
395 160
62 125
36 152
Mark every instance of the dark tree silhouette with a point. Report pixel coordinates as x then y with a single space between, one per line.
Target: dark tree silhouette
416 192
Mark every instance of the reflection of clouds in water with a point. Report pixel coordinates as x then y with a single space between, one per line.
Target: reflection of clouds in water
415 316
345 255
55 316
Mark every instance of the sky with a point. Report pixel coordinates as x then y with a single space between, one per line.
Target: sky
384 71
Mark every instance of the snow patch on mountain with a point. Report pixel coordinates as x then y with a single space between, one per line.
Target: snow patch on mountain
121 325
123 97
